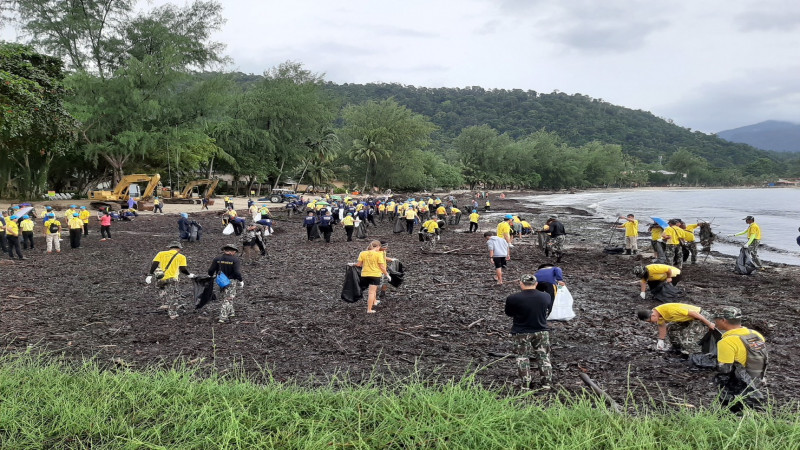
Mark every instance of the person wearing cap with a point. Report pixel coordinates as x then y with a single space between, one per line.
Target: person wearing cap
309 223
410 215
673 240
529 309
557 235
349 225
429 230
158 206
326 225
12 237
183 226
741 361
498 254
75 230
631 227
652 275
690 239
84 215
253 236
105 225
229 264
753 232
684 324
504 228
68 212
474 218
52 233
169 264
26 227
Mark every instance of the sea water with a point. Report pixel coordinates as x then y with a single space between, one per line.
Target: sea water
776 211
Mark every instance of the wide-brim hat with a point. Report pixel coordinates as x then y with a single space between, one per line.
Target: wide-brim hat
230 247
175 244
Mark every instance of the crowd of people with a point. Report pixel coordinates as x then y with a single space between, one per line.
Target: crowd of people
740 353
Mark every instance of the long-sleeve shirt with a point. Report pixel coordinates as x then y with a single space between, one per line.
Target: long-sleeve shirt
227 264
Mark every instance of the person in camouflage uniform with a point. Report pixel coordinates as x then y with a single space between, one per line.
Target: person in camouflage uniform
229 264
741 362
684 324
529 309
166 267
556 239
673 240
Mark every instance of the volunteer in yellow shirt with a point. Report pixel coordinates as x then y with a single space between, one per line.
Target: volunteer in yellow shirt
672 237
473 221
52 233
26 227
653 275
504 228
349 225
656 242
431 226
12 237
691 241
410 216
740 348
373 265
84 214
685 324
631 227
441 211
75 230
753 233
165 268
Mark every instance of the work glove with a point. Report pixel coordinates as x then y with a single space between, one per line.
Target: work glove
642 295
661 345
241 284
389 278
191 275
149 279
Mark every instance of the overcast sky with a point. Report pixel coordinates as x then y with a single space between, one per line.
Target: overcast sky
709 65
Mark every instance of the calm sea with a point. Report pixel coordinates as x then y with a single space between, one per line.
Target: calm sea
776 210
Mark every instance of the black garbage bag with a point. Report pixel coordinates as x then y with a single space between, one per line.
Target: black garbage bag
195 232
744 263
351 289
361 231
708 344
315 232
203 290
399 225
614 250
703 361
666 292
396 271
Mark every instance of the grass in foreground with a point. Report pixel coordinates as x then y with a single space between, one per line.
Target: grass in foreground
47 404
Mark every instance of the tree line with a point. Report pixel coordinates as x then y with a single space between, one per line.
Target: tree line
102 88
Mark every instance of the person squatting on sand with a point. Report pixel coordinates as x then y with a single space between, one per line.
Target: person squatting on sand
684 324
529 309
741 362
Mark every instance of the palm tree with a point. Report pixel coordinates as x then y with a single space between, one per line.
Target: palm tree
321 148
368 149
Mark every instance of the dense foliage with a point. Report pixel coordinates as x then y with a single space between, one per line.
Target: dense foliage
144 97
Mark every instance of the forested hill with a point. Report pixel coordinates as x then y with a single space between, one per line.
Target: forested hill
577 118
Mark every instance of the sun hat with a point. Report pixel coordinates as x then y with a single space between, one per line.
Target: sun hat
175 244
230 247
728 312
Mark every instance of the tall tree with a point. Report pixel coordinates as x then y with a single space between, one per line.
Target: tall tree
376 132
34 125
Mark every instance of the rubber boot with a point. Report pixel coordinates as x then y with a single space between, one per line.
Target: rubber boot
635 252
628 251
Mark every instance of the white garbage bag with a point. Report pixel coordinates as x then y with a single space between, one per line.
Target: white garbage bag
562 305
228 230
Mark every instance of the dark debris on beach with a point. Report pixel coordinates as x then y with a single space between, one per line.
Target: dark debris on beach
446 320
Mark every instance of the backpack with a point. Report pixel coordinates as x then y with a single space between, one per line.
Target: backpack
53 228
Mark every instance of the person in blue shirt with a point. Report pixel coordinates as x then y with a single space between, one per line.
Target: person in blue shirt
309 223
326 226
550 277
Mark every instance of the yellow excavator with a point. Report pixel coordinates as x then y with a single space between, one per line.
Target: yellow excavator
187 195
126 188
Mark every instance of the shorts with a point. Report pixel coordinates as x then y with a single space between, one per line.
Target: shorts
499 262
249 244
369 281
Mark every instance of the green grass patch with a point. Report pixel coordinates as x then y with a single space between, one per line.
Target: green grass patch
52 404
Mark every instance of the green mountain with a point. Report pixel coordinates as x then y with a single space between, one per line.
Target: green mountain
576 118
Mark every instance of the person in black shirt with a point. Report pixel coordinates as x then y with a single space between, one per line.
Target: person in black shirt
555 243
326 226
228 263
529 309
309 223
